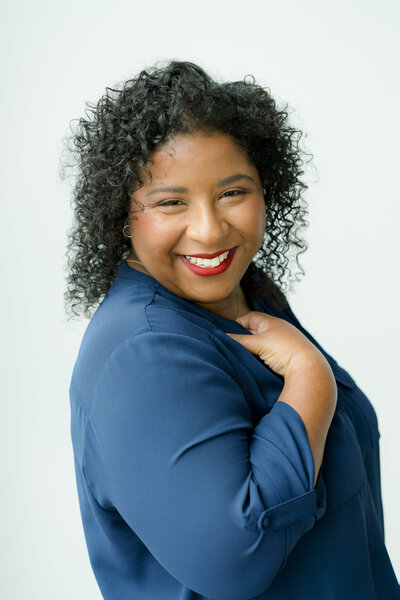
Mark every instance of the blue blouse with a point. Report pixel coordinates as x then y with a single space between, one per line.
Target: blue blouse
194 482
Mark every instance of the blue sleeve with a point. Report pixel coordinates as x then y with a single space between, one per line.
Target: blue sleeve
373 471
172 446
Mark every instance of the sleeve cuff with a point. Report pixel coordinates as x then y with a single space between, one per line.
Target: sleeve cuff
310 505
290 465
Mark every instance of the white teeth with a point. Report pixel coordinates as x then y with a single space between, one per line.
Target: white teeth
207 262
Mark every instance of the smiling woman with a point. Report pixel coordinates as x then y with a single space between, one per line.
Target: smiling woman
220 452
112 150
176 239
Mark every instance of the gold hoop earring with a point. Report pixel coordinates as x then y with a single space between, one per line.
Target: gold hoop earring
123 231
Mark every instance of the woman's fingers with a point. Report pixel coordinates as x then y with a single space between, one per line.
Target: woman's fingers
254 321
276 341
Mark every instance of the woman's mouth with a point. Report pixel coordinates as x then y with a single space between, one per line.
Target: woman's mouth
209 266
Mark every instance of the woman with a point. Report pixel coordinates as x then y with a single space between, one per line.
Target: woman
220 452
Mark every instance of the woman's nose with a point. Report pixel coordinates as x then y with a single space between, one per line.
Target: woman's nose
207 226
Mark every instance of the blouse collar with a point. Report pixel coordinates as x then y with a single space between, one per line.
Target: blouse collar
127 272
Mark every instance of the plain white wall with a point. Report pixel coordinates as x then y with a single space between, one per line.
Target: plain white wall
336 64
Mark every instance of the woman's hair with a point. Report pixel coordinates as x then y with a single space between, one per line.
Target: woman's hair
109 149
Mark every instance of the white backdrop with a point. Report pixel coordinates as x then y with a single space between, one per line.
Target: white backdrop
335 62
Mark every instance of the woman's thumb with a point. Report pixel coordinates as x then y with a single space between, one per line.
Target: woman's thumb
235 336
247 340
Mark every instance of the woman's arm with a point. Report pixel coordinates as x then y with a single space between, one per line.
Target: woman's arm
171 445
310 386
311 391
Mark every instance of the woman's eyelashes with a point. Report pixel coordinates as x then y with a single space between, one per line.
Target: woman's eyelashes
233 192
178 202
170 203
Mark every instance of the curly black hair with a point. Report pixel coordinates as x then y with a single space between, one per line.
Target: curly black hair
111 147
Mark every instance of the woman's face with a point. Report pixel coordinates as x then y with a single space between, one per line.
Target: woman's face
205 198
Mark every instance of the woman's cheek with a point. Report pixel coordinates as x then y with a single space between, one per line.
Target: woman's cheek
253 219
155 234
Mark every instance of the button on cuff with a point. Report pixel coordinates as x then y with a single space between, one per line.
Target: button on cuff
264 522
285 514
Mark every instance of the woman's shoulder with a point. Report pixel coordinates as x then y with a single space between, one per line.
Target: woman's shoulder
136 315
124 339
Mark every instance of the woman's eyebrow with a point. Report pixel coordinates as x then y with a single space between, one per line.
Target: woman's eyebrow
183 190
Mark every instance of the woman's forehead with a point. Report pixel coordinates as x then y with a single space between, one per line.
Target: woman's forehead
192 156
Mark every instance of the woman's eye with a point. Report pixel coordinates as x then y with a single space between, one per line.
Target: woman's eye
232 192
228 194
171 203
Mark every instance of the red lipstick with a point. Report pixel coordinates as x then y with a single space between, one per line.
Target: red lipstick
207 271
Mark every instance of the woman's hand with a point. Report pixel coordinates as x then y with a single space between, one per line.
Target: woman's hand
278 343
310 386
